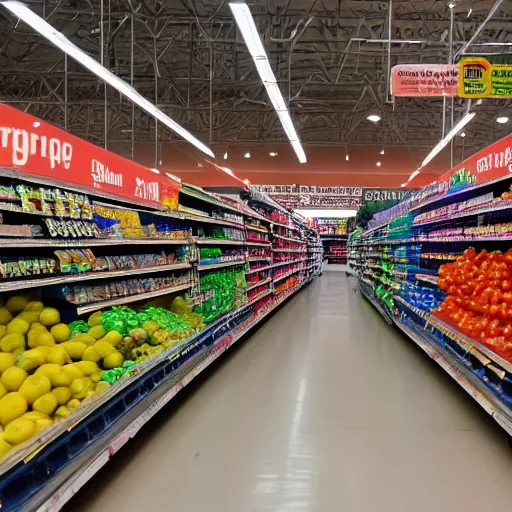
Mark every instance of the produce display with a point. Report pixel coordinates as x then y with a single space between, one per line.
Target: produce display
439 266
49 368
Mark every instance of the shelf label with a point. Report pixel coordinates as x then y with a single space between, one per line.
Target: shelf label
31 146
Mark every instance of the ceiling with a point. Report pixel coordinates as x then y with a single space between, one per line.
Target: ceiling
330 58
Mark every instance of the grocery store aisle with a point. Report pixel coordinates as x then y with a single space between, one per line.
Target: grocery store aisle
325 408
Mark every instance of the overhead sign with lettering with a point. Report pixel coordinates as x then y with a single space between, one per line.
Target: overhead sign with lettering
481 79
489 164
384 194
300 196
33 147
424 80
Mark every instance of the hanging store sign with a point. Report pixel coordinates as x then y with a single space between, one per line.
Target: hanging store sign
481 79
384 194
489 164
299 196
31 146
424 80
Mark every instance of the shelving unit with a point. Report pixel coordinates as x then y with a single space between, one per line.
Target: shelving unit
438 266
142 258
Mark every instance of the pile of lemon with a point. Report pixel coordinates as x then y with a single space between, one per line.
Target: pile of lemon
44 373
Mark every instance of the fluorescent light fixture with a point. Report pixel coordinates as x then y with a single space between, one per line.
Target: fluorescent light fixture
502 120
273 153
444 142
226 155
413 175
247 27
470 11
324 214
382 151
299 151
374 118
247 155
39 25
463 134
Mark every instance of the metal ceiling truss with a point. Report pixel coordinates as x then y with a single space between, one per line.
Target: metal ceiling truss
331 58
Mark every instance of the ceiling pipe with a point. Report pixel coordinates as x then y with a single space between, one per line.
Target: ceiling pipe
493 10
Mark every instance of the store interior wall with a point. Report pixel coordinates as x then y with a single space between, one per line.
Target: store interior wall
326 166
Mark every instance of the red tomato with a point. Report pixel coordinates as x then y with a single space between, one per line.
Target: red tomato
505 285
507 297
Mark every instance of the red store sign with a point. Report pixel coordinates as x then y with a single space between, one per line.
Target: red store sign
490 163
32 146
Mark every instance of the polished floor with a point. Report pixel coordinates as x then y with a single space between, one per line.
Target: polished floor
325 408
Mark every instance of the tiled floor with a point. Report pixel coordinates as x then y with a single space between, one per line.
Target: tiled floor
325 408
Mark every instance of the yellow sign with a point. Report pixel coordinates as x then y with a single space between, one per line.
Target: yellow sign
478 78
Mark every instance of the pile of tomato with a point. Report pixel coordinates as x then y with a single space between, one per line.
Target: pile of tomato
479 298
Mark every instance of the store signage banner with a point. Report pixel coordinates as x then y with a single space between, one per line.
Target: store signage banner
300 196
489 164
424 80
32 146
384 194
481 79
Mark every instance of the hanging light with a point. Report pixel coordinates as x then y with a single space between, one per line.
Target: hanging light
60 41
247 155
226 155
379 164
382 151
347 157
374 118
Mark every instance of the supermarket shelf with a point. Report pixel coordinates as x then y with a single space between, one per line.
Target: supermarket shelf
64 485
205 220
211 266
281 263
258 297
213 241
427 278
258 244
458 193
454 333
258 284
464 377
211 200
96 306
291 228
288 274
366 291
259 258
91 242
297 251
67 278
290 239
262 269
256 228
471 213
